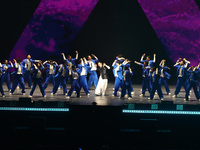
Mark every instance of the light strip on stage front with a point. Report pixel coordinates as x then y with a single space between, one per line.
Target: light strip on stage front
162 112
34 109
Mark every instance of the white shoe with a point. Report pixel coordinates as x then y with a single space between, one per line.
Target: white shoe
59 88
10 93
51 93
129 98
3 96
67 97
162 99
45 96
103 94
88 94
174 96
156 93
148 98
189 97
30 96
132 92
23 93
142 95
18 87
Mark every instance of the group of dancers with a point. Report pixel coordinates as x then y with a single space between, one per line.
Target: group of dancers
82 73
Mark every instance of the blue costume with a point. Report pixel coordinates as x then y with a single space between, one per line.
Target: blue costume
60 79
27 70
75 82
126 83
1 85
181 78
37 80
83 77
92 73
18 77
118 78
154 77
6 75
164 76
50 73
193 80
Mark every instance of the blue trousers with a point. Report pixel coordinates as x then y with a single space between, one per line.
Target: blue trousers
156 86
126 87
18 79
74 86
1 86
83 83
180 82
27 75
146 84
164 81
37 81
6 77
193 85
49 78
60 80
118 83
92 78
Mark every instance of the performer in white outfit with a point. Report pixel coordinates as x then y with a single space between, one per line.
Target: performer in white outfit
103 79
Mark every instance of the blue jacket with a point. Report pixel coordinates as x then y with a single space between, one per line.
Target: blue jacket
184 70
166 74
119 73
16 69
127 77
154 78
194 75
6 72
86 66
59 73
72 60
47 65
36 71
151 62
31 60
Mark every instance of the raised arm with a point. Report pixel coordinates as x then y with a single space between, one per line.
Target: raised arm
64 58
76 55
94 56
11 64
142 57
104 64
113 64
154 58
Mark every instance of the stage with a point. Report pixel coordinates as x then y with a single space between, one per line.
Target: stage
107 100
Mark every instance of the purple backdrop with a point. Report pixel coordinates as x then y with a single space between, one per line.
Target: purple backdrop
177 25
54 25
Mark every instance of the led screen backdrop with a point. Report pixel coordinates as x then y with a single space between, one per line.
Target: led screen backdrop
177 25
54 25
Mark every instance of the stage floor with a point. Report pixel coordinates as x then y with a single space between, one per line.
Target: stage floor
106 100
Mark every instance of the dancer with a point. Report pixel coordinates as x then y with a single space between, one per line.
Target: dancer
154 77
83 75
164 76
118 76
127 82
193 80
18 75
6 73
181 76
148 59
60 78
75 84
27 71
37 79
103 79
50 72
92 73
145 77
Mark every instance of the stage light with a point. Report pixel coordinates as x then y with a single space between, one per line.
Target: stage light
34 109
179 107
161 112
154 106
